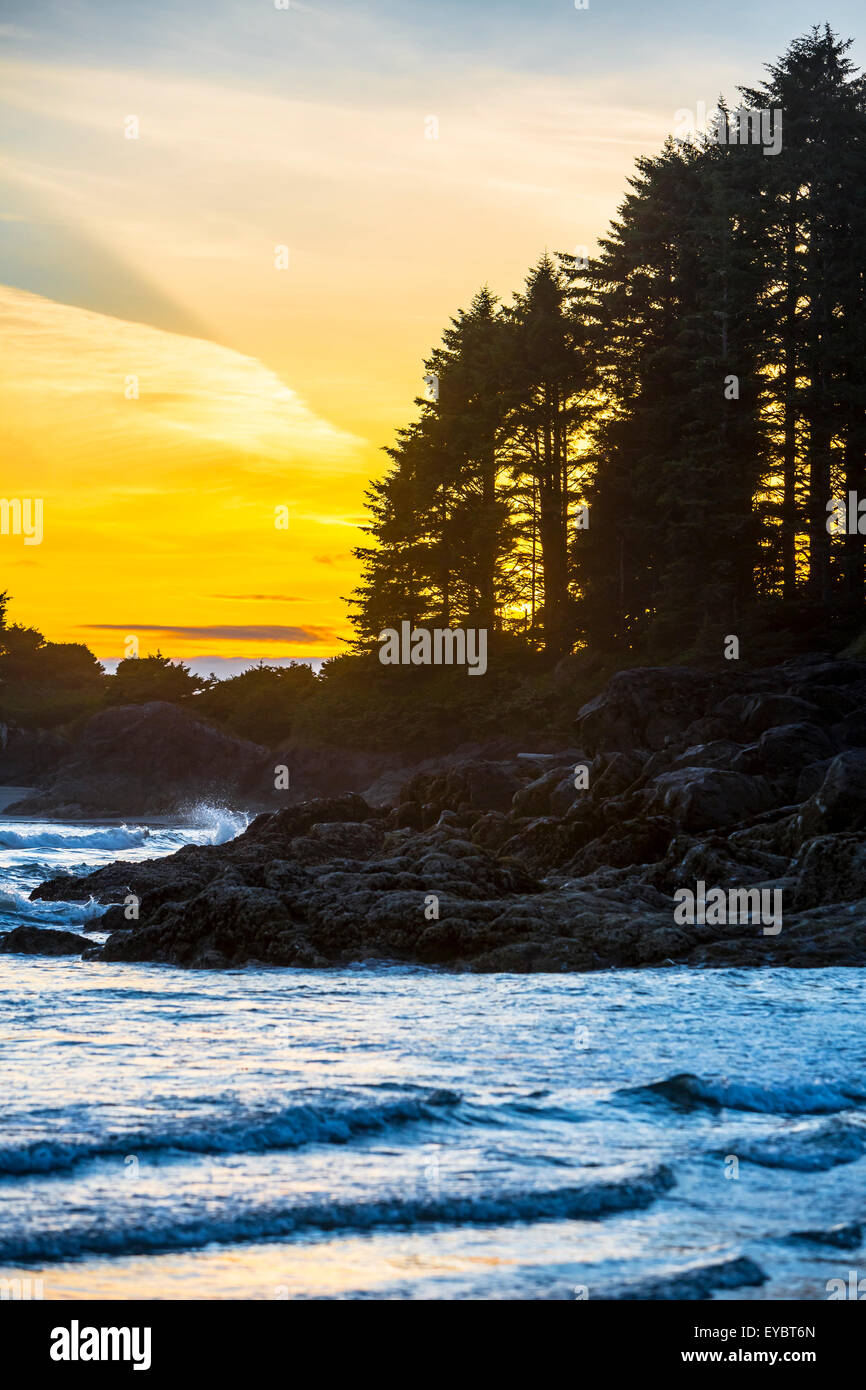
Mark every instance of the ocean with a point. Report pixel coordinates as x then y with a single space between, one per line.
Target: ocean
389 1132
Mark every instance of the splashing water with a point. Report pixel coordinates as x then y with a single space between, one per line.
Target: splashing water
219 823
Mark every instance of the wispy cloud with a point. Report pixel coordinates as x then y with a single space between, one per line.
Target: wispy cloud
142 388
224 631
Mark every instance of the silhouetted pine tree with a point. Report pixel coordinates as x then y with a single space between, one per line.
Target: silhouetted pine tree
549 403
814 193
702 384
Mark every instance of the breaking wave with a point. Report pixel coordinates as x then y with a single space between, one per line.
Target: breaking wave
219 823
288 1129
52 837
698 1282
787 1098
806 1150
592 1201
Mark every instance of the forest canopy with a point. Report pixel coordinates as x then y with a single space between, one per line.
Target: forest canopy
636 455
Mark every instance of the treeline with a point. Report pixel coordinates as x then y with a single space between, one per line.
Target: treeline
46 684
636 454
60 685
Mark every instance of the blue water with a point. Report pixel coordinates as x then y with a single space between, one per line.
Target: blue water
395 1132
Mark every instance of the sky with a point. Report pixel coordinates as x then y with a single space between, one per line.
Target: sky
171 383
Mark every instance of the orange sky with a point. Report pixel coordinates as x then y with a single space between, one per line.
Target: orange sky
153 258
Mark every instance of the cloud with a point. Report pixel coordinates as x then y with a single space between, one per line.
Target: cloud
339 559
224 632
138 388
152 499
226 169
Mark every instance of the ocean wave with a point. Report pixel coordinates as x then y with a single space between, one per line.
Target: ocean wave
52 837
697 1282
847 1235
288 1129
813 1150
219 823
592 1201
785 1098
15 903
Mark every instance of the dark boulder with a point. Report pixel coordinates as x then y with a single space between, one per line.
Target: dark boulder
784 751
477 785
830 869
534 798
644 708
704 798
769 711
43 941
840 801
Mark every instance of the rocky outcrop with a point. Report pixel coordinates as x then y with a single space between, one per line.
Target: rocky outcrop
43 941
158 759
703 798
575 860
149 759
29 755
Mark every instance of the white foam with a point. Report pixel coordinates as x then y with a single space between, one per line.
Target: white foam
43 836
220 823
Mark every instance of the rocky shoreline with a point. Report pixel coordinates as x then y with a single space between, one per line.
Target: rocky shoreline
737 780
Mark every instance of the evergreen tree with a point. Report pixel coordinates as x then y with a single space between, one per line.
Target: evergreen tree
701 384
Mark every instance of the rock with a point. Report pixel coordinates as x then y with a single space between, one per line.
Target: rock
549 841
29 755
491 830
850 732
713 860
830 869
696 1283
476 784
842 1236
43 941
811 778
224 925
534 798
151 759
816 670
704 798
643 708
500 863
317 771
840 801
408 814
783 750
614 773
769 711
325 842
566 795
639 841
